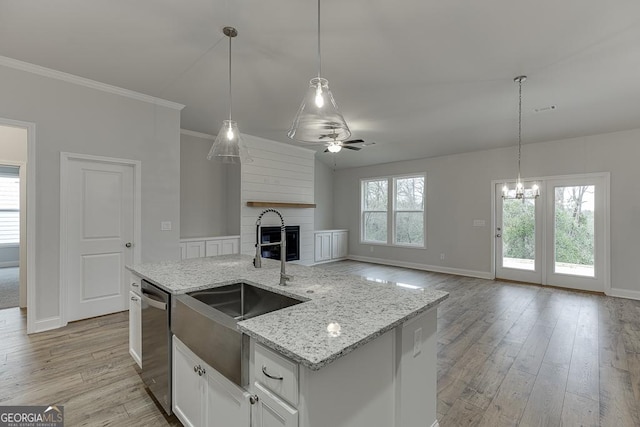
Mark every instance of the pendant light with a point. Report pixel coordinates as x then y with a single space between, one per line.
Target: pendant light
319 120
520 193
228 146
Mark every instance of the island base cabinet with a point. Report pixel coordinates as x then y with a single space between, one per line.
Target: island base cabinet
389 381
135 327
189 391
270 411
202 396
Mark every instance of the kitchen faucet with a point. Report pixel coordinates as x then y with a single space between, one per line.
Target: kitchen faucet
257 260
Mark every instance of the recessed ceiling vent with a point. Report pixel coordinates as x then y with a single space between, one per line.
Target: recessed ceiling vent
545 109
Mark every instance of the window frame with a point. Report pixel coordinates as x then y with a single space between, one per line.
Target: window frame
16 176
392 211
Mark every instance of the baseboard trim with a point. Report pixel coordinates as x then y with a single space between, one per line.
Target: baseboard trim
425 267
7 264
624 293
47 324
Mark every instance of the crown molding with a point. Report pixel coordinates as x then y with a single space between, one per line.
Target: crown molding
197 134
81 81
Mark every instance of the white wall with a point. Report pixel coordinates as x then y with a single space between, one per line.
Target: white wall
459 190
79 119
279 173
323 196
209 190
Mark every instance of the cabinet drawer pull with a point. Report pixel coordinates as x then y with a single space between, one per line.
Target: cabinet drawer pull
264 371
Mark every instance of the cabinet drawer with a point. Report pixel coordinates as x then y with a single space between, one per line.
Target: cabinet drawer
276 373
135 284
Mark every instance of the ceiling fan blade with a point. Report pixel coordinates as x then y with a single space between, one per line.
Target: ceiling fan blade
352 148
353 141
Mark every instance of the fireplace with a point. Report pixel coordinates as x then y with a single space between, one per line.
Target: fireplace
272 234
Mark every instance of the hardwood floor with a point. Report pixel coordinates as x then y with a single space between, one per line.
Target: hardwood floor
508 354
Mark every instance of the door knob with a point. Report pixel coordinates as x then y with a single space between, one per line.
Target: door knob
253 399
498 235
128 244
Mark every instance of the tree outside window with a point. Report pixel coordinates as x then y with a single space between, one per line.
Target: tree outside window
403 196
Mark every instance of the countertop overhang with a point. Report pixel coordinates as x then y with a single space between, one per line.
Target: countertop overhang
363 308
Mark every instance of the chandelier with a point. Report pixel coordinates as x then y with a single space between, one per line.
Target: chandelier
520 192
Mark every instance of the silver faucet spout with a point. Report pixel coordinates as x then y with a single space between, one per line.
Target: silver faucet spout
257 260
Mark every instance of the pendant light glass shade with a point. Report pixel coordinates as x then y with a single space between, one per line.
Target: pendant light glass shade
228 146
319 120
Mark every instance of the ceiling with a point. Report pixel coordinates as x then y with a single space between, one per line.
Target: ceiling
418 78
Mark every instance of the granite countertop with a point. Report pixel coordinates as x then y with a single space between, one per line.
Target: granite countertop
364 309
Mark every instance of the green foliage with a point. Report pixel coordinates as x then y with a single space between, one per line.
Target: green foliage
574 227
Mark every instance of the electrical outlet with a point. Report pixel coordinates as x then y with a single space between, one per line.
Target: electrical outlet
417 342
442 256
479 223
165 226
371 249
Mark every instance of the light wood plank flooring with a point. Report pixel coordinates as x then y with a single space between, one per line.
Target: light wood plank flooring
508 354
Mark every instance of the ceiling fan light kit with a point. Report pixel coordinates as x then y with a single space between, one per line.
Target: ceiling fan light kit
228 146
520 192
318 119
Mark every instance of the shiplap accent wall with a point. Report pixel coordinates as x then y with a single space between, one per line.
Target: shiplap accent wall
279 173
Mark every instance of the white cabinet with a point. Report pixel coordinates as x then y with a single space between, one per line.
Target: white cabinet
323 247
270 411
209 246
339 244
135 327
202 396
227 404
390 381
331 245
189 391
222 247
194 250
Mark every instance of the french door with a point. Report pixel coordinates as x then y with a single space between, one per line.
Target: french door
559 238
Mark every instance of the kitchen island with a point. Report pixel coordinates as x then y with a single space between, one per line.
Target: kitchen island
360 352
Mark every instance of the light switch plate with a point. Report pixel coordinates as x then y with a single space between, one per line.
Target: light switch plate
165 226
479 223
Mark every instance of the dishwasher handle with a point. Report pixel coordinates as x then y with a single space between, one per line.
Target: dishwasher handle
153 302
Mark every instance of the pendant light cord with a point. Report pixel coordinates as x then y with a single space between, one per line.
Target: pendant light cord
230 99
519 125
319 56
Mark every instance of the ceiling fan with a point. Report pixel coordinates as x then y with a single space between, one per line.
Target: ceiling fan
336 146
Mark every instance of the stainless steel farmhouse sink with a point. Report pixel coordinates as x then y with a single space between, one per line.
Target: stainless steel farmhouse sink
206 321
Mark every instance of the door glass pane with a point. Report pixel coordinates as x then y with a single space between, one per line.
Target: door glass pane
519 234
574 230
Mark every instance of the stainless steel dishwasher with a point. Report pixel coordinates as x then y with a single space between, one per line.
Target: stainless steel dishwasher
156 343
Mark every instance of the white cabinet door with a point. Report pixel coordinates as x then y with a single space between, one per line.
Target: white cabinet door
189 390
339 244
183 251
227 404
195 250
273 412
135 329
214 247
230 246
323 247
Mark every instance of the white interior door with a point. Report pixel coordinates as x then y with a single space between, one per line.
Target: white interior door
518 235
100 228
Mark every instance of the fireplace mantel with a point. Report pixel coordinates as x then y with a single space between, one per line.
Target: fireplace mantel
257 204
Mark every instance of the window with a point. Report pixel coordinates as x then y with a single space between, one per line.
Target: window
396 204
9 210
